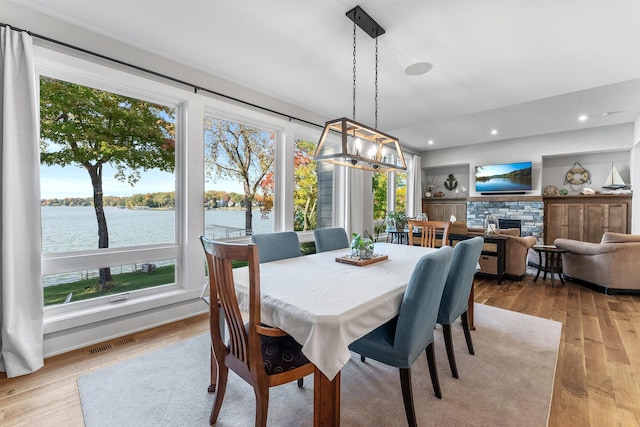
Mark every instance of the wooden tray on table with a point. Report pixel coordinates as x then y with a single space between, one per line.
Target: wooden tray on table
348 259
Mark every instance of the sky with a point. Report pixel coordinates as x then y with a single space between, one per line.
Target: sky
72 181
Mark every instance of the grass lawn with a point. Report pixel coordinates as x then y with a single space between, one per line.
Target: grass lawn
125 282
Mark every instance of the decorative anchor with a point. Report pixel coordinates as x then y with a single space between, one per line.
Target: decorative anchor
451 183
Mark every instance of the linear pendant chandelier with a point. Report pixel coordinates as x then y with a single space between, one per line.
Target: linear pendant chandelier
361 146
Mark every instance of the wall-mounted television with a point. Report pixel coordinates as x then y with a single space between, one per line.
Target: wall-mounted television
503 178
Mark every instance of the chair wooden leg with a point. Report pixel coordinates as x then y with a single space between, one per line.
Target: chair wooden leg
223 373
407 396
467 332
262 405
448 343
431 361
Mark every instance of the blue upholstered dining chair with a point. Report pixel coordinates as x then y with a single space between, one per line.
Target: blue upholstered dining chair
329 239
455 297
277 246
400 341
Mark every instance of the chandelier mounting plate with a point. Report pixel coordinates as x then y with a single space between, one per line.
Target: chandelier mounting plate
365 22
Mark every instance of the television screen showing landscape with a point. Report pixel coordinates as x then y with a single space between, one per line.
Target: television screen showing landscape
504 177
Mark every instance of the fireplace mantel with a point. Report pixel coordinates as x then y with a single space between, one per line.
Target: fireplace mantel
505 198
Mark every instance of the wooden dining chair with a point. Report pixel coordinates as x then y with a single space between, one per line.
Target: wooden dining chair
455 298
428 231
329 239
401 340
261 355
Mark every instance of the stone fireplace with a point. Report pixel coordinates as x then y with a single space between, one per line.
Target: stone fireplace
528 209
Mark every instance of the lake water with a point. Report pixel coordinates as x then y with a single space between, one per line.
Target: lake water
66 229
73 228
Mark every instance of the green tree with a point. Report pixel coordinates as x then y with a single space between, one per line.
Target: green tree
241 153
379 184
305 195
89 128
401 191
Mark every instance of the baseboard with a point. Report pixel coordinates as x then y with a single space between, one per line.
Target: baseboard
86 335
599 288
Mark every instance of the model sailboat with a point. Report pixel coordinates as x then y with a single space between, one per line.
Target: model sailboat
614 180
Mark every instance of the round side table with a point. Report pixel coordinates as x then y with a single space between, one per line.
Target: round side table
552 257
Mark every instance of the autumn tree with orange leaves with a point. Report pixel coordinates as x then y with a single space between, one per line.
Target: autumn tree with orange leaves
305 196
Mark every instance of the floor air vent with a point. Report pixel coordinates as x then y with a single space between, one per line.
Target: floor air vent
111 345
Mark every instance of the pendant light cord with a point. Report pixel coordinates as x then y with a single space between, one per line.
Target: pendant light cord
354 72
376 96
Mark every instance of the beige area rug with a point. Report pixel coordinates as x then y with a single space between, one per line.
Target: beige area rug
507 383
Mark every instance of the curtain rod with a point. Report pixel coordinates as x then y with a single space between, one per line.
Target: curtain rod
195 87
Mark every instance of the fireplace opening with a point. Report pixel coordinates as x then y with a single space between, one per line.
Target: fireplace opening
510 223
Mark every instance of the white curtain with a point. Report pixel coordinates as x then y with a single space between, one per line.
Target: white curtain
414 186
21 301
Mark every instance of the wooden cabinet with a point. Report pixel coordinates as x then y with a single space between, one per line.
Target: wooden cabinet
557 223
442 209
586 218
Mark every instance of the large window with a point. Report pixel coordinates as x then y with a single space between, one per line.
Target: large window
107 182
239 178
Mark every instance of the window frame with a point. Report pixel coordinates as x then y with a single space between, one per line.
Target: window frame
77 70
67 326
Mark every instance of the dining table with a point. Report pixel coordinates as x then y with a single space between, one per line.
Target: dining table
325 305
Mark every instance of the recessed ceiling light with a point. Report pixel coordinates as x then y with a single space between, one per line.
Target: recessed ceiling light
431 142
583 118
494 131
418 69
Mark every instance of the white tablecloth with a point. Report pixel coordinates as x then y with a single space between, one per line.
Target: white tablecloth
326 305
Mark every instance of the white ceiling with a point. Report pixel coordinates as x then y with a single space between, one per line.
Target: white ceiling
524 68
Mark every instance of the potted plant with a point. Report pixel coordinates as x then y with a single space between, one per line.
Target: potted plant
399 220
361 248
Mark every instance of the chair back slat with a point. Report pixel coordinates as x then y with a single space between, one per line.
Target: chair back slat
428 232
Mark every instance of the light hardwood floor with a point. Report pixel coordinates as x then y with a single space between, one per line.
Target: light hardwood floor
597 379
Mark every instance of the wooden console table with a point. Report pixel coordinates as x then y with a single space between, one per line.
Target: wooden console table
500 252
